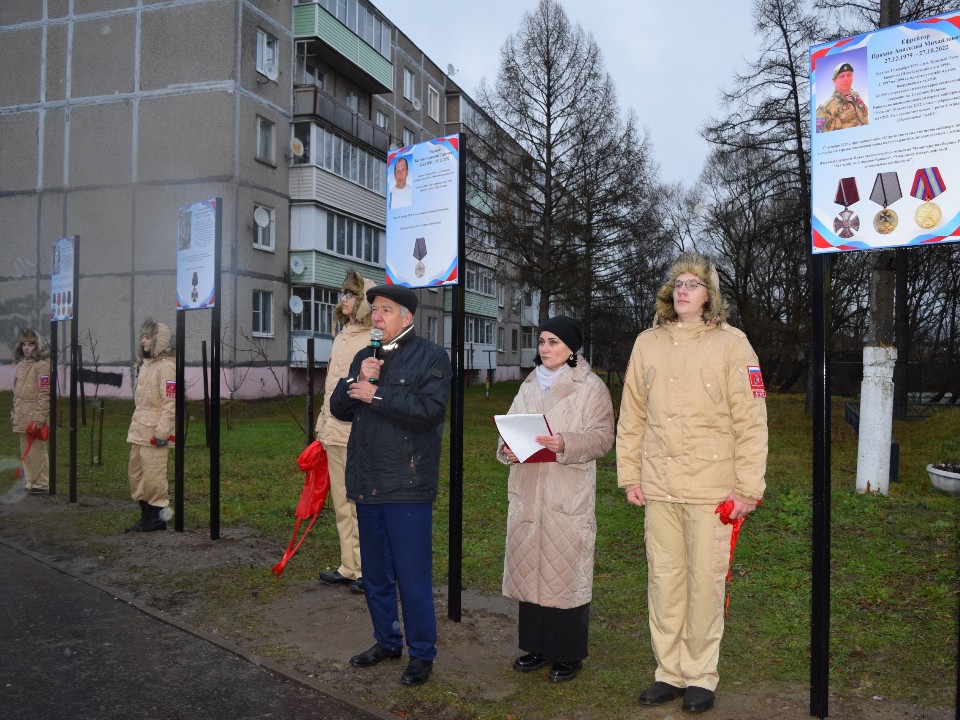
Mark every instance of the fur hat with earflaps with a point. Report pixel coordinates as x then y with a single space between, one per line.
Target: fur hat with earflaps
28 335
358 285
715 311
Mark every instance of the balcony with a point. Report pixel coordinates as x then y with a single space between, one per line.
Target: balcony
312 101
342 49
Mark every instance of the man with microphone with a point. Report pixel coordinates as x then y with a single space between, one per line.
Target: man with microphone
396 397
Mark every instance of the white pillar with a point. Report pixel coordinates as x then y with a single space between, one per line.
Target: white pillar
876 420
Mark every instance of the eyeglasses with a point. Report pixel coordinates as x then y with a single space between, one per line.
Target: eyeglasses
347 294
690 285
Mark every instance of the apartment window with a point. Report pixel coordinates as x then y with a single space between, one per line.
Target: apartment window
529 338
432 330
264 223
501 335
262 323
381 120
353 102
343 158
479 330
266 54
309 74
480 279
408 84
318 306
407 137
265 142
354 239
514 340
500 295
433 103
362 20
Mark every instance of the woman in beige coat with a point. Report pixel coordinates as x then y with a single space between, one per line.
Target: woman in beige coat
353 314
692 435
551 525
31 410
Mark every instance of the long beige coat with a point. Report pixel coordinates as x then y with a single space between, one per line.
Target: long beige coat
31 394
692 427
551 523
155 410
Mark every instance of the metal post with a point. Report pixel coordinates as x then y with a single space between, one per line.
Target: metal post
180 416
215 373
310 349
54 390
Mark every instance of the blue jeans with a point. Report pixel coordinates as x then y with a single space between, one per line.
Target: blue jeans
396 553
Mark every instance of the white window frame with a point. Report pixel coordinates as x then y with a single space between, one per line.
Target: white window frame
261 323
407 137
382 120
409 84
433 103
432 329
501 338
266 140
263 237
268 54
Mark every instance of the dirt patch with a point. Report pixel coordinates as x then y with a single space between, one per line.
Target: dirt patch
314 629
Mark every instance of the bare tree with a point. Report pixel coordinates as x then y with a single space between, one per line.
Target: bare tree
852 17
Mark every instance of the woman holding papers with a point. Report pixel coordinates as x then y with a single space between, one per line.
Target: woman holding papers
551 525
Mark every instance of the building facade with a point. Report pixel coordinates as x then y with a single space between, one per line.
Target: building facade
123 111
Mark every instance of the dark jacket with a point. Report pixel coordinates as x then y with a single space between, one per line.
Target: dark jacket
393 455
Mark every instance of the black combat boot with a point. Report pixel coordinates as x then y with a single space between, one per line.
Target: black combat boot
153 522
138 525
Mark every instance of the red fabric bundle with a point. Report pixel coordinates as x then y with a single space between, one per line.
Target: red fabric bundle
35 431
313 461
723 510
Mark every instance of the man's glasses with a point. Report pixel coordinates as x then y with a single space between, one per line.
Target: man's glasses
690 285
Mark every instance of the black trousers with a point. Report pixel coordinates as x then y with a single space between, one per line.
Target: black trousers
558 634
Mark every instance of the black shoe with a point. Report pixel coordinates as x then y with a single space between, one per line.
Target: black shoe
144 512
417 672
374 655
660 693
38 491
152 522
333 578
698 699
530 662
564 671
357 586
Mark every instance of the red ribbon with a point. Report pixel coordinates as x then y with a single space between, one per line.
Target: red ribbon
313 461
723 510
35 431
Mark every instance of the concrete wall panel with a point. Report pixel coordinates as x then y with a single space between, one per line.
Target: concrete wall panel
103 219
100 144
18 236
56 80
18 151
20 60
184 44
103 56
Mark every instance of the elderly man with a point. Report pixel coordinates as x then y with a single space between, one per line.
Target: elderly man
845 108
396 398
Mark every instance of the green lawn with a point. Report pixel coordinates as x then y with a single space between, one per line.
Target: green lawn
894 583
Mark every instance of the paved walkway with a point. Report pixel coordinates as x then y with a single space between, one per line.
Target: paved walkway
70 649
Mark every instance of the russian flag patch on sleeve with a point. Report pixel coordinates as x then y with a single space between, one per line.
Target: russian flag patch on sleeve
172 387
44 382
756 381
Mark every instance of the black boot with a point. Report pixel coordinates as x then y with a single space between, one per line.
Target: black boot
153 522
138 525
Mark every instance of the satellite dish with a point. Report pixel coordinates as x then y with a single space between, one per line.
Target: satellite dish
261 217
296 305
417 104
296 265
296 147
270 70
451 70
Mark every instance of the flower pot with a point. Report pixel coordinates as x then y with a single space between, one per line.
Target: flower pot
944 480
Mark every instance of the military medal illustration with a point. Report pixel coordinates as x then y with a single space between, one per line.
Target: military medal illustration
927 184
886 191
419 252
846 223
194 294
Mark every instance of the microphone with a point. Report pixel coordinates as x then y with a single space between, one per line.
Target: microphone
376 338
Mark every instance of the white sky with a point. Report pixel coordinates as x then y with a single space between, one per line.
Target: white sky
668 58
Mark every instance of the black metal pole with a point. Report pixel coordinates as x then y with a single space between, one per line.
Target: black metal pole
54 390
206 395
455 561
74 367
179 431
215 379
83 395
820 595
310 349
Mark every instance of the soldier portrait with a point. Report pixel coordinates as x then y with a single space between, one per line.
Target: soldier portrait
845 108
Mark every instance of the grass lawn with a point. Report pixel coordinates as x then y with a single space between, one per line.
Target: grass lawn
894 584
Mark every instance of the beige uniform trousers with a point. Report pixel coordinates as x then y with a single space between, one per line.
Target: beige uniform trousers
346 513
688 553
147 471
36 465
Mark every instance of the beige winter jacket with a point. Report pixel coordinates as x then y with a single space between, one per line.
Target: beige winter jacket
155 409
551 525
352 338
31 394
692 427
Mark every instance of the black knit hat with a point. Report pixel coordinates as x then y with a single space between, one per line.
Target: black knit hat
400 294
567 329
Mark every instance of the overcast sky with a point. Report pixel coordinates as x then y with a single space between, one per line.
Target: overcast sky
668 58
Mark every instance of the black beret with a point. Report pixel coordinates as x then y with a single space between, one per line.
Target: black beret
567 329
842 67
400 294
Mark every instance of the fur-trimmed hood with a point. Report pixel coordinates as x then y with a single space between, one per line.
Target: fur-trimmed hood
162 340
716 309
359 285
28 335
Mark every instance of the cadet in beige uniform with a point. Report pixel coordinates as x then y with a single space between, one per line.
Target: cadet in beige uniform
152 426
845 108
31 410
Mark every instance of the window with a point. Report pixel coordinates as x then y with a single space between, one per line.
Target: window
308 74
479 330
265 132
480 279
501 334
514 340
353 102
266 54
433 103
262 313
500 295
349 161
407 138
408 84
362 20
354 239
432 330
529 338
318 306
381 120
263 236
